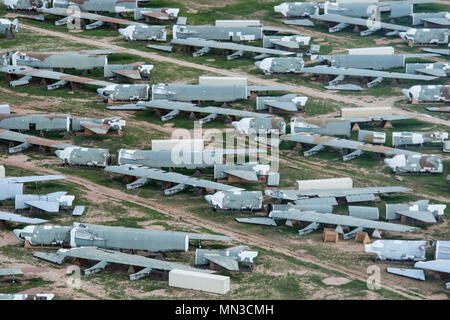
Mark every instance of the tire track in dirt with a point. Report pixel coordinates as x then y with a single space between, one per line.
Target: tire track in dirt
191 218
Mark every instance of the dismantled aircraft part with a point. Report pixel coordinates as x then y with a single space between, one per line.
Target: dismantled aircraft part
336 219
107 256
409 273
345 87
236 200
428 93
91 157
144 33
329 126
425 36
125 92
228 259
326 141
310 228
364 212
415 163
403 250
258 221
115 238
193 42
172 177
441 266
6 216
256 126
442 250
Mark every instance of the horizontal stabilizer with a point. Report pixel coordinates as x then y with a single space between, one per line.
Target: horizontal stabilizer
409 273
229 263
6 216
51 257
258 221
345 87
100 129
424 216
243 174
288 106
46 206
300 22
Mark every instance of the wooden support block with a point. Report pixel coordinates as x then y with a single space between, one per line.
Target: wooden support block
192 116
77 262
131 270
330 235
387 124
362 237
355 126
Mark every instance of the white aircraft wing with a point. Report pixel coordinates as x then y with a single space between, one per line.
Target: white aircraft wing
288 106
187 107
338 219
6 216
441 265
109 256
229 263
342 143
227 46
359 21
86 15
161 175
243 174
47 206
354 72
32 140
31 178
100 129
52 75
10 272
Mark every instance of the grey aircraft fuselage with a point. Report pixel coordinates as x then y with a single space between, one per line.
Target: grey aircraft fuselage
281 65
185 92
50 122
297 9
125 92
373 61
75 61
108 237
170 158
326 126
144 32
417 17
217 33
111 6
